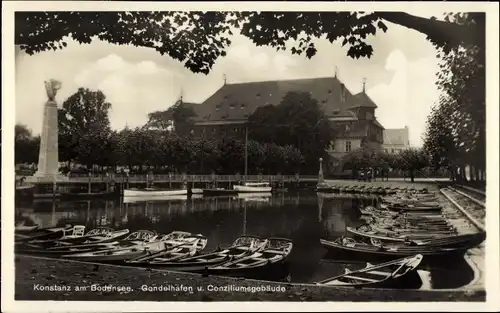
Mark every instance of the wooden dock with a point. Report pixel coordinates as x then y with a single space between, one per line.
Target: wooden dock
176 178
93 185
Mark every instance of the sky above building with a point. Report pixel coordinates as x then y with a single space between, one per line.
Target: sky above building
400 76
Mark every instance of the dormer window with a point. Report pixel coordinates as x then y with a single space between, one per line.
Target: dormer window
243 106
336 111
217 107
258 94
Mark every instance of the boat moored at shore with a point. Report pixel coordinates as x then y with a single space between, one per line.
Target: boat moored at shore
153 192
253 187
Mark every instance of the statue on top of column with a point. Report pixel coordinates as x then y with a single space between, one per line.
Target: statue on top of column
52 86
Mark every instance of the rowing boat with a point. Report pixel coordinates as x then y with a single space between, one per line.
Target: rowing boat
153 192
173 252
130 247
219 192
176 243
242 246
347 246
274 253
43 233
453 241
386 275
138 244
95 239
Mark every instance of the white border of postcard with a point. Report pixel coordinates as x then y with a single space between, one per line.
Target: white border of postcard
8 118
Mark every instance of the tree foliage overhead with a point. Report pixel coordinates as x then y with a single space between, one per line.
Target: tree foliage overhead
456 128
198 39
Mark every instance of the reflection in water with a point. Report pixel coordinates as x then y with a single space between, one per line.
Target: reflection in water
304 218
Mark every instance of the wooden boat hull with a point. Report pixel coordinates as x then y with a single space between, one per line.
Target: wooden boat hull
155 198
457 241
86 243
117 254
407 209
153 192
25 229
26 249
268 260
219 192
42 233
194 264
251 189
195 191
240 248
407 232
101 257
370 252
79 240
403 274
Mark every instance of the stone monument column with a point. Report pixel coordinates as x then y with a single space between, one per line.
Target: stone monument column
48 158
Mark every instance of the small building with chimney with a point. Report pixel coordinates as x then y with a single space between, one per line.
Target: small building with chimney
396 140
352 116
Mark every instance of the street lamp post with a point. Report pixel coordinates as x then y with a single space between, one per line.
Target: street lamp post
321 178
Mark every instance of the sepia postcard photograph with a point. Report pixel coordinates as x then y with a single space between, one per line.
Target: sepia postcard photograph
243 156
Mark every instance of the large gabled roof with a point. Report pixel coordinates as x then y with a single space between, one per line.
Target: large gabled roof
234 102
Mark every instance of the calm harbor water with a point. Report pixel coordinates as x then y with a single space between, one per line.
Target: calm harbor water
303 217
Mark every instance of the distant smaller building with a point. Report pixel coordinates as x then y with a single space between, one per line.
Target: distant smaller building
396 140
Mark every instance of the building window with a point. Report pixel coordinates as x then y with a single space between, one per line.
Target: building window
243 106
231 106
217 107
385 150
214 130
348 146
332 146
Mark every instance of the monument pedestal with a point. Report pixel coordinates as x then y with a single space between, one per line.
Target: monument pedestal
48 158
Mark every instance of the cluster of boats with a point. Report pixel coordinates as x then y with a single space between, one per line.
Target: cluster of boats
247 187
368 189
178 250
403 230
